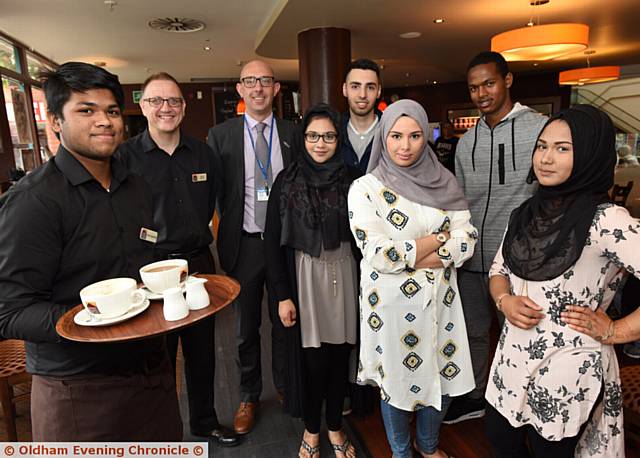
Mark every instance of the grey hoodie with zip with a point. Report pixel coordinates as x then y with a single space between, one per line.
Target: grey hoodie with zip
492 167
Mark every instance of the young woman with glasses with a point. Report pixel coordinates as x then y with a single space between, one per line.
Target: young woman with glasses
312 270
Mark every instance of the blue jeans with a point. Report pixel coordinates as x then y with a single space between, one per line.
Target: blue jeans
428 420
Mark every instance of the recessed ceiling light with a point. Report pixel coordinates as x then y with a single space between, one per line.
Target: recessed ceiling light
409 35
435 82
438 20
207 48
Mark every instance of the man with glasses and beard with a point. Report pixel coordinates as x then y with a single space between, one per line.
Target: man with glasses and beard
181 173
253 149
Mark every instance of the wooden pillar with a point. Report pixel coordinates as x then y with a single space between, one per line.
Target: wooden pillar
324 55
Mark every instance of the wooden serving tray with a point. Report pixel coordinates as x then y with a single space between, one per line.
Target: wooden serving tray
222 291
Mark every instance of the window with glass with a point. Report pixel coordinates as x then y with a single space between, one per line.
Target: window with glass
36 66
46 137
9 56
15 100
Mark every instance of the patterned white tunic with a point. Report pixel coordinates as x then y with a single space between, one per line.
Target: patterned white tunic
414 342
550 376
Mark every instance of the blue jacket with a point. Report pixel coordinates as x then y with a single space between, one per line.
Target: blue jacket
348 153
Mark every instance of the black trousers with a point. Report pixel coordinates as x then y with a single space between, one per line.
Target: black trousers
325 371
198 349
250 271
509 442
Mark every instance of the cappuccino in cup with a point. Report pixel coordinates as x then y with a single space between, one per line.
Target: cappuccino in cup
162 275
111 298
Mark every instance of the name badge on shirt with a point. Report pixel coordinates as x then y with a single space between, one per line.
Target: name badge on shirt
148 235
263 194
198 177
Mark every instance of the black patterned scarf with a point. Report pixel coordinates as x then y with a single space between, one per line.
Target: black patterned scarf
547 233
313 197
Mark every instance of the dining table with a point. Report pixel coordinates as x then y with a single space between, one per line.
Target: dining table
222 291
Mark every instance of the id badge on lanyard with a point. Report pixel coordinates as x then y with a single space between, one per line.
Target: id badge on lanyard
263 193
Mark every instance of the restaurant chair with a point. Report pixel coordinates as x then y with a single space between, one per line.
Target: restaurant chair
630 376
619 193
12 372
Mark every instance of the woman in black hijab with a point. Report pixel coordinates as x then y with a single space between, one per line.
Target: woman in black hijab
555 375
312 270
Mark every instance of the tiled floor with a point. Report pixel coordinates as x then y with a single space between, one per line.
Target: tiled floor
276 434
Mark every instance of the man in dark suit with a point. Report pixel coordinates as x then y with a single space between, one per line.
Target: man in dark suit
253 150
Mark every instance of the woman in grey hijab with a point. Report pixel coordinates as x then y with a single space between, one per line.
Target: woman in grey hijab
411 222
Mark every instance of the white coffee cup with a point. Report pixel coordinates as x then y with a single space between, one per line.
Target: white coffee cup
162 275
175 307
197 295
111 298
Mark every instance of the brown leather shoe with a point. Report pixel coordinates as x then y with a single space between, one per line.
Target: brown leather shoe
245 417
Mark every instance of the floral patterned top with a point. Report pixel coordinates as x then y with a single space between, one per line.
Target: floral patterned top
414 342
551 376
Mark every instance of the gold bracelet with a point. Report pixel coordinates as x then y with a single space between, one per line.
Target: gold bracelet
499 300
610 332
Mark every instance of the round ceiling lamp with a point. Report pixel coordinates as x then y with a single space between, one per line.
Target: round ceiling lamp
589 75
241 107
541 42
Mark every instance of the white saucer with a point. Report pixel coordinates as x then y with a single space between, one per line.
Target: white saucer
83 318
157 296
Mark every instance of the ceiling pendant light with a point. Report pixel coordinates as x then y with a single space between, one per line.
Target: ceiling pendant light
240 107
589 74
541 42
537 42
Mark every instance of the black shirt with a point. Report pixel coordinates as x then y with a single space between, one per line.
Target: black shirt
184 189
60 230
445 149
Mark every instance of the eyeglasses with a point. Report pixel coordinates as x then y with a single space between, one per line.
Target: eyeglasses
313 137
159 101
250 81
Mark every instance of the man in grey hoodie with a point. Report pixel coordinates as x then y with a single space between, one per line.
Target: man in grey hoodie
492 163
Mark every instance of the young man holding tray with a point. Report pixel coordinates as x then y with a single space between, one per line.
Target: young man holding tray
76 220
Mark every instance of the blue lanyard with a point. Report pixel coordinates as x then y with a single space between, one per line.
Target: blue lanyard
264 170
